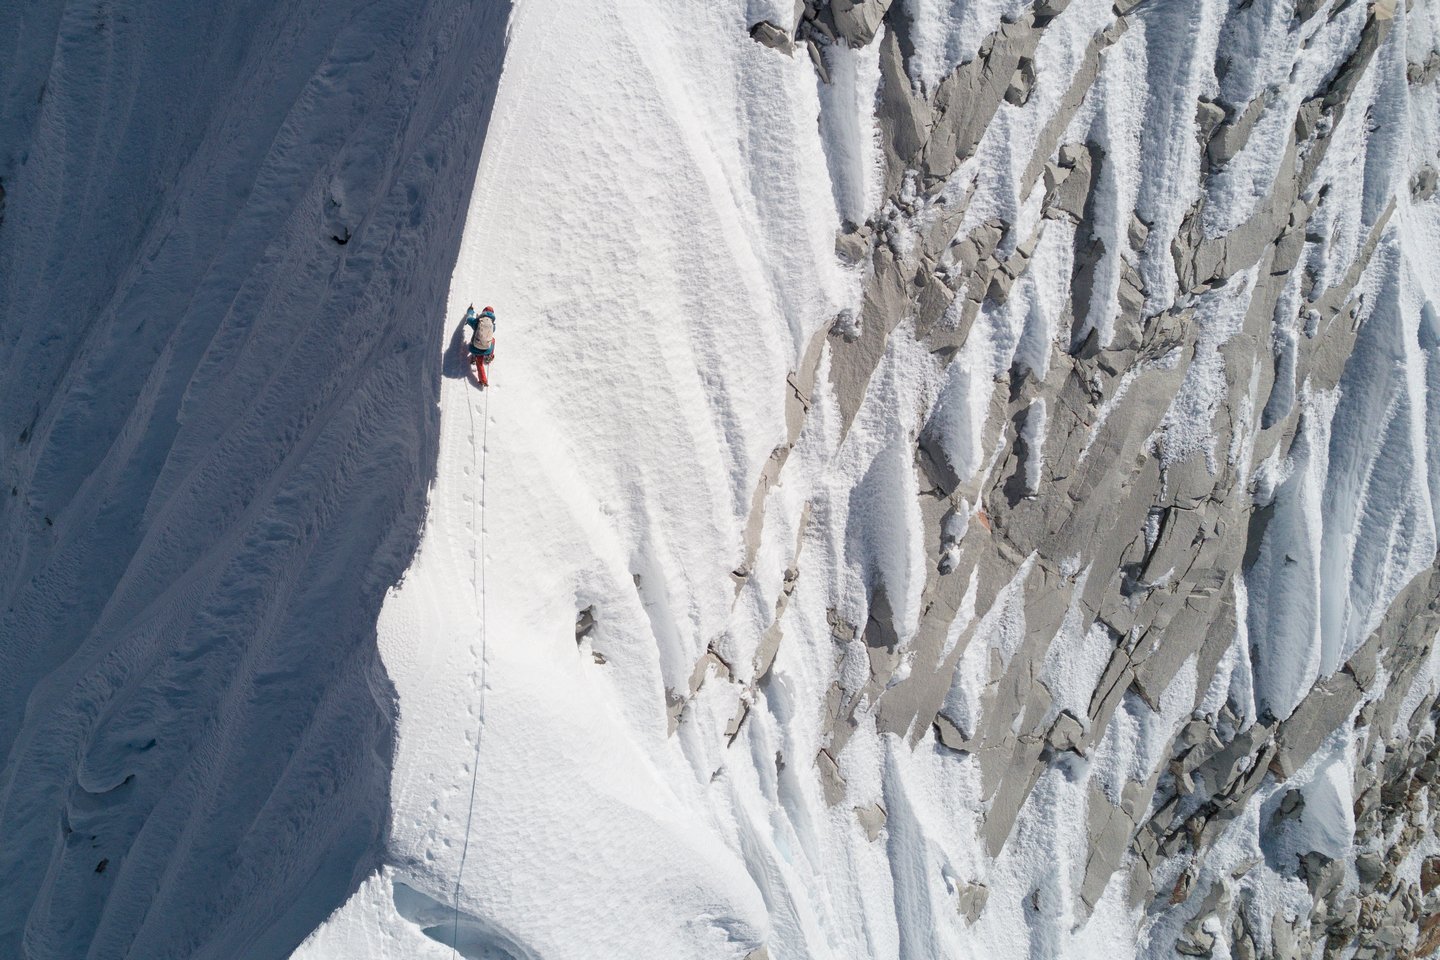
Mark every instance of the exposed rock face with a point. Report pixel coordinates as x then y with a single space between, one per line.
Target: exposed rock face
1188 493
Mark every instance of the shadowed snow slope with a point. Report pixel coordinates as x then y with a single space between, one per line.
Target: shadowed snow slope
227 231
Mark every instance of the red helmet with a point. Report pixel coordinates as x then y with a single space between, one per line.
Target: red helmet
487 309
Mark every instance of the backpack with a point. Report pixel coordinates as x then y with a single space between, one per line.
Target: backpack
484 332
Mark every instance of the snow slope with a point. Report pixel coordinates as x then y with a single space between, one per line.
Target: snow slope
654 279
225 240
653 220
766 606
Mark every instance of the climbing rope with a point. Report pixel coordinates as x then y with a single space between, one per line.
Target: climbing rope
477 581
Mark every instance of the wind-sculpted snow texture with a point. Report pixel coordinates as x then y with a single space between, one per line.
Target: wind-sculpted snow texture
995 520
226 234
1045 569
960 480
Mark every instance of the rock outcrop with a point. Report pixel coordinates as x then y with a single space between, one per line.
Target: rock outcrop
1176 344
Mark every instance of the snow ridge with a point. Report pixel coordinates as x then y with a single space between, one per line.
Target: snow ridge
1048 579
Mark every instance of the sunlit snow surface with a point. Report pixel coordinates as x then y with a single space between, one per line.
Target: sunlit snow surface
653 222
653 219
232 388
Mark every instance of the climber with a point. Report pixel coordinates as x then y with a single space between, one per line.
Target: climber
482 341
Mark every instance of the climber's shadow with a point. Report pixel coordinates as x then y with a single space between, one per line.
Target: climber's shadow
456 363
